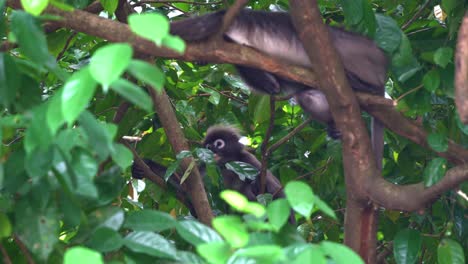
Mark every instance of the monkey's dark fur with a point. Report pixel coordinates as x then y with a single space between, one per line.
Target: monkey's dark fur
224 142
274 34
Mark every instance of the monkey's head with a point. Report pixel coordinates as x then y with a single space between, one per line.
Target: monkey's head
224 142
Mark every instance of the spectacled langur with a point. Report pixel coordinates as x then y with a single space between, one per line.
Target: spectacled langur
274 34
223 141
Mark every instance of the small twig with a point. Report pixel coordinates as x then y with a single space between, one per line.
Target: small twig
289 135
6 258
120 113
322 169
226 94
231 14
24 250
67 43
131 139
416 15
264 146
408 92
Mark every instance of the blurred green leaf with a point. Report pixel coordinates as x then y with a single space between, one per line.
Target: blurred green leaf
10 79
109 62
353 11
232 229
105 240
34 7
133 93
388 36
443 56
340 253
150 243
234 199
215 252
122 156
76 255
431 80
149 220
300 197
450 252
159 29
278 213
175 43
147 73
196 233
5 226
309 254
264 254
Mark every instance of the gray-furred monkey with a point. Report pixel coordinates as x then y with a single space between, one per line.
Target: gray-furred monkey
274 34
224 142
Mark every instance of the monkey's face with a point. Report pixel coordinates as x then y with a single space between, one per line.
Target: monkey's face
224 144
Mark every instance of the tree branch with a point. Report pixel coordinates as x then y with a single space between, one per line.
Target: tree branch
413 197
461 71
193 184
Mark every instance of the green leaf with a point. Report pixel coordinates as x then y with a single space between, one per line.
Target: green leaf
255 209
133 93
109 62
243 170
10 80
76 95
38 162
171 169
105 240
450 252
310 254
388 36
341 254
149 220
147 73
404 63
278 213
5 226
438 142
78 255
261 110
300 197
204 155
215 252
406 246
175 43
353 11
232 229
265 254
109 5
84 168
197 233
37 228
152 26
324 207
111 217
32 41
99 136
34 7
122 156
150 243
189 257
443 56
431 80
234 199
188 171
434 171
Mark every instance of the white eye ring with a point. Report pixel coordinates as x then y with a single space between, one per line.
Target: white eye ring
219 143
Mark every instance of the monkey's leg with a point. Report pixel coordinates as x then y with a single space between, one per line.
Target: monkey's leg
258 80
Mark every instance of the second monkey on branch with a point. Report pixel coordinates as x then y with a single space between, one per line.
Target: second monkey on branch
273 33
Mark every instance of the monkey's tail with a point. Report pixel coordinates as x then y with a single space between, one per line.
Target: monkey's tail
198 28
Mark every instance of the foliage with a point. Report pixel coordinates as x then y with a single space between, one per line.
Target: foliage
65 188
